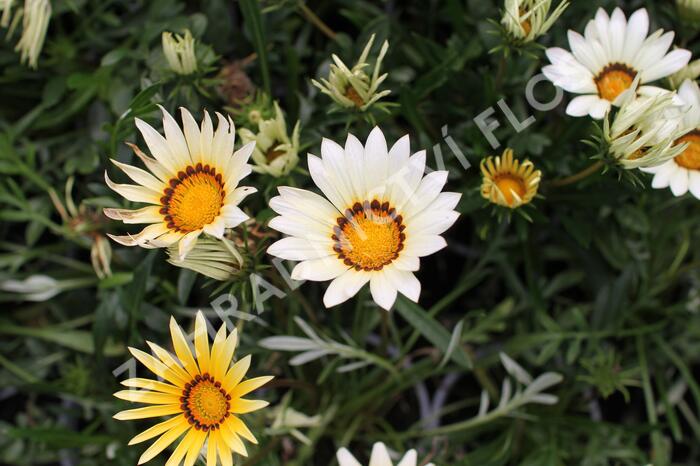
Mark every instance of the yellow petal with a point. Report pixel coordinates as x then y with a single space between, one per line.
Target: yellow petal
239 427
181 449
232 440
226 356
201 342
142 396
169 361
235 374
182 349
211 448
241 406
158 429
216 350
249 385
154 385
158 368
224 450
163 442
148 411
195 448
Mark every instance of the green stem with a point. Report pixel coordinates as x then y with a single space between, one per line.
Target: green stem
586 172
315 20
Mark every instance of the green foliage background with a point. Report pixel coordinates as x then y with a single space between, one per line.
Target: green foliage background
602 286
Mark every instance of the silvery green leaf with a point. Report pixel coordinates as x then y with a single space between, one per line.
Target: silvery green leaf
352 366
543 382
308 356
288 343
484 403
514 369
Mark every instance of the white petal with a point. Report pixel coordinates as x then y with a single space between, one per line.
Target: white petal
668 65
299 249
380 455
694 183
158 147
409 459
345 458
679 182
319 270
326 183
333 157
175 139
376 164
424 245
599 109
407 262
345 287
187 243
134 193
663 174
637 30
405 282
355 161
141 177
383 291
426 193
581 105
216 228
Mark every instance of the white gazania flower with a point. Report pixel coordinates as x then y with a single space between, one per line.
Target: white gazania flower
35 22
644 130
193 184
682 173
604 62
353 87
275 152
380 216
380 457
179 52
526 20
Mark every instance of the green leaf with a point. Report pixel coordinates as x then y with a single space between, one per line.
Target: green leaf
431 330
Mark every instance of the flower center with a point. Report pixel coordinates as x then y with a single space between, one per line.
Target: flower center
352 94
614 80
193 199
204 403
273 152
511 186
370 235
690 157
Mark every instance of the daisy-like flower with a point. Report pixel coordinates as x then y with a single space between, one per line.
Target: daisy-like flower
380 457
508 182
193 184
682 172
526 20
353 87
201 392
179 52
644 130
380 216
275 153
605 61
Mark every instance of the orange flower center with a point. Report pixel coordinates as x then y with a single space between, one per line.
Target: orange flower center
193 199
204 403
526 25
690 157
614 80
370 235
510 186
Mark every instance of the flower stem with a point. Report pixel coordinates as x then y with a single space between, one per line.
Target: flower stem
316 21
586 172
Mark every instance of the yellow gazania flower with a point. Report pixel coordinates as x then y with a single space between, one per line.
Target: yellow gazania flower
193 188
202 394
507 182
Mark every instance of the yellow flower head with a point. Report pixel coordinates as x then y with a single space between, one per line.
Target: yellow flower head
202 394
191 186
508 182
